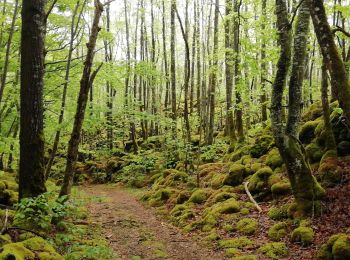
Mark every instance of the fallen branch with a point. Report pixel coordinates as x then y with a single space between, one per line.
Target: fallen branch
27 230
5 223
251 197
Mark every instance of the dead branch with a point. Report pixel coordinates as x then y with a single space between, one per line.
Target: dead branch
251 197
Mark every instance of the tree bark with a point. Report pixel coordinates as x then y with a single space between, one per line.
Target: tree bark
31 166
85 85
173 68
335 65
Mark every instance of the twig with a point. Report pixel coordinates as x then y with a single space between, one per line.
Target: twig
295 12
251 197
28 230
5 223
339 29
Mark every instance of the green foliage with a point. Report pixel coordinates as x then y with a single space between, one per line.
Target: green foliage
38 212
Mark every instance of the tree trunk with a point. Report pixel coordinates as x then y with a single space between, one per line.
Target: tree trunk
229 60
335 65
213 77
85 85
305 187
73 31
31 166
173 68
263 97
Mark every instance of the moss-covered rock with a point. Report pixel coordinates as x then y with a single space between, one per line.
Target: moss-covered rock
281 188
245 257
240 243
274 250
258 182
277 213
182 197
330 171
314 152
181 214
247 226
337 247
227 207
303 235
261 146
199 196
277 231
33 248
274 159
313 112
235 175
307 131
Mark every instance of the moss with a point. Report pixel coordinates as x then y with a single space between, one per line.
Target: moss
274 159
182 197
232 251
330 171
274 250
244 211
314 152
307 131
313 112
277 231
5 239
256 167
180 215
222 196
303 235
245 257
247 226
281 188
258 183
246 159
227 207
227 227
337 247
212 236
236 175
276 213
160 197
16 250
217 180
199 196
240 243
261 146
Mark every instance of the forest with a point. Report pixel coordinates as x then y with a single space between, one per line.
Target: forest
174 129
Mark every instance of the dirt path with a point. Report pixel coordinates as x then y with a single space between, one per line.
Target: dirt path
135 232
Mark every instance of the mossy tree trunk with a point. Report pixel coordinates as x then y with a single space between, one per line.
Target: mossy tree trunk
85 85
305 188
335 65
31 165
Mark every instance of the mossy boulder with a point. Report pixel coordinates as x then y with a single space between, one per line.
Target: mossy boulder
182 197
226 207
199 196
277 231
245 257
239 242
281 188
307 131
235 175
33 248
337 247
274 159
261 146
160 197
274 250
258 183
330 171
277 213
303 235
314 152
313 112
181 214
247 226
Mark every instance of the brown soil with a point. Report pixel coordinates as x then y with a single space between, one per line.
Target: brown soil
134 230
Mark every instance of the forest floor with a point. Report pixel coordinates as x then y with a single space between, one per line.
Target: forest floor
134 231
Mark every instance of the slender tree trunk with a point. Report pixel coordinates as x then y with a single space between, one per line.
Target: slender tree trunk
165 57
229 61
8 51
85 85
237 73
263 97
187 81
31 166
335 65
73 31
213 77
173 68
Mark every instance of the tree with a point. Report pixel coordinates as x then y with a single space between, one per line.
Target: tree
86 83
31 167
306 190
